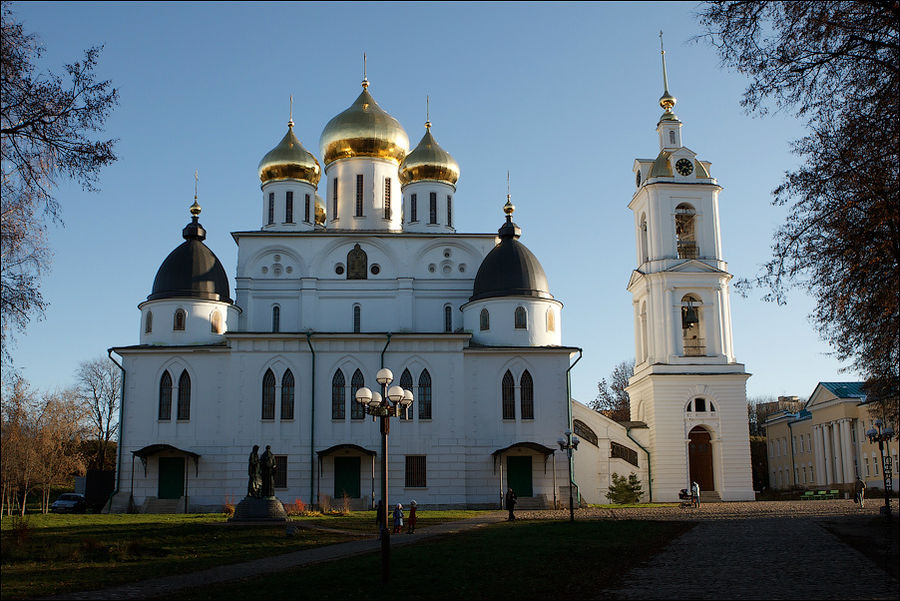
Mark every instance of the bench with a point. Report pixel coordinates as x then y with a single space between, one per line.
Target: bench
808 496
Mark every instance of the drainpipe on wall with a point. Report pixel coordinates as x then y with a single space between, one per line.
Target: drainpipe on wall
570 424
119 449
383 351
649 475
312 422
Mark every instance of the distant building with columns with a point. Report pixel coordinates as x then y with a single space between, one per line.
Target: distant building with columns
824 444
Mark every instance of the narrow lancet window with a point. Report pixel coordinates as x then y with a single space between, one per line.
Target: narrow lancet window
268 395
359 195
406 383
271 216
165 396
424 398
180 317
357 381
448 319
432 208
508 395
338 408
387 198
521 318
484 320
184 396
526 394
289 207
276 318
413 213
287 395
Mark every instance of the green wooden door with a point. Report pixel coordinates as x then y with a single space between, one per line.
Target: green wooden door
346 477
518 475
171 478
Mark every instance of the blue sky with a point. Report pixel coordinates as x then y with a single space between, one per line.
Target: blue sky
564 96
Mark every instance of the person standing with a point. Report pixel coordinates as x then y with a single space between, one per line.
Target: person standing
511 503
860 492
412 517
398 518
695 494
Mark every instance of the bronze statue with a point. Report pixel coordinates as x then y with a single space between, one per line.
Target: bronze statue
254 485
267 469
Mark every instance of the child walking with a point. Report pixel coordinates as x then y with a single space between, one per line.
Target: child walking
398 518
412 517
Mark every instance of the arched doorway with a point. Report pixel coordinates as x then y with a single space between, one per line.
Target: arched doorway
701 459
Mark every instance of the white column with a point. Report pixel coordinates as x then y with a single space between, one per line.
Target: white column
829 462
672 340
820 454
847 447
838 453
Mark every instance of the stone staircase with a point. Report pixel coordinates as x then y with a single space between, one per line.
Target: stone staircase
709 496
532 503
154 505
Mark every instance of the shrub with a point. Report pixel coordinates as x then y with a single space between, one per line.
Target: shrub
624 490
325 503
345 504
228 507
298 507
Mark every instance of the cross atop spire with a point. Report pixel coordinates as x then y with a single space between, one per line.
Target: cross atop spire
666 101
291 118
427 111
365 81
195 208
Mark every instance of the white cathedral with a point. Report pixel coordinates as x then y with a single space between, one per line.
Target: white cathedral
328 291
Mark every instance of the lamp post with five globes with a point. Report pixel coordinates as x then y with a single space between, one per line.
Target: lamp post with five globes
876 434
385 405
569 444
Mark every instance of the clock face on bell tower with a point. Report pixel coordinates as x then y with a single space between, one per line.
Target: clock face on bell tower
684 167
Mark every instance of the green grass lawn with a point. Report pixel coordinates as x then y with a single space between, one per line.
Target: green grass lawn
59 553
518 560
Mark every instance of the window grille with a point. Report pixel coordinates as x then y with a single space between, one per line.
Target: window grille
306 206
406 383
424 397
165 396
449 211
276 318
620 451
271 217
184 396
432 207
268 395
148 325
357 381
448 319
289 207
484 320
415 471
180 317
359 195
526 395
338 404
387 198
357 319
413 216
521 318
287 395
334 199
584 432
508 390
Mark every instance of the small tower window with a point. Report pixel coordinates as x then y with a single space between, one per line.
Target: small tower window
413 213
287 395
215 323
306 207
268 395
484 320
184 396
448 319
165 396
449 211
387 198
359 195
526 395
180 317
276 318
271 217
432 207
672 137
334 199
508 396
521 318
685 236
289 207
148 323
551 321
357 319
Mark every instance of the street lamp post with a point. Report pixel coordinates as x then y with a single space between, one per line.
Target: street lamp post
882 437
385 405
569 444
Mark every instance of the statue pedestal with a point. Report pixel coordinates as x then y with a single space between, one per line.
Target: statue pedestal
267 509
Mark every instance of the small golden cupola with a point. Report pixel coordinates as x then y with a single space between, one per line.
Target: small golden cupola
364 130
428 161
289 160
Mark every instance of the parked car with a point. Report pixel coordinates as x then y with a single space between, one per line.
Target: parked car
69 502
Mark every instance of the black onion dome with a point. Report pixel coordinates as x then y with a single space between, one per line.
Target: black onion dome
191 270
510 269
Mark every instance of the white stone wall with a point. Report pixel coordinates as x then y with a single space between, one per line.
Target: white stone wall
374 172
502 330
197 324
300 190
423 222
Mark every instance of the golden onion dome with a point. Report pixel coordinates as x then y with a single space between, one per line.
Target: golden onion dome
428 161
289 160
364 130
320 211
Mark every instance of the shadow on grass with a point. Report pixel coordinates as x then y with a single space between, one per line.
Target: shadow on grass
521 560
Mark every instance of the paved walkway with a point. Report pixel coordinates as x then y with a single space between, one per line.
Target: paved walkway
169 585
759 550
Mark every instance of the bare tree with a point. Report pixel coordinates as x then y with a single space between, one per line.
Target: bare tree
612 400
45 135
99 389
835 64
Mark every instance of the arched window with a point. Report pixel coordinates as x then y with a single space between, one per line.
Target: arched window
424 397
338 409
521 318
406 383
583 431
276 318
148 322
180 317
485 320
215 323
700 404
287 395
357 319
526 394
551 321
508 393
184 396
357 381
165 396
685 235
645 242
268 395
448 318
694 344
672 137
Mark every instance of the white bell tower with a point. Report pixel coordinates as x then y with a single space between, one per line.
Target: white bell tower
687 386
